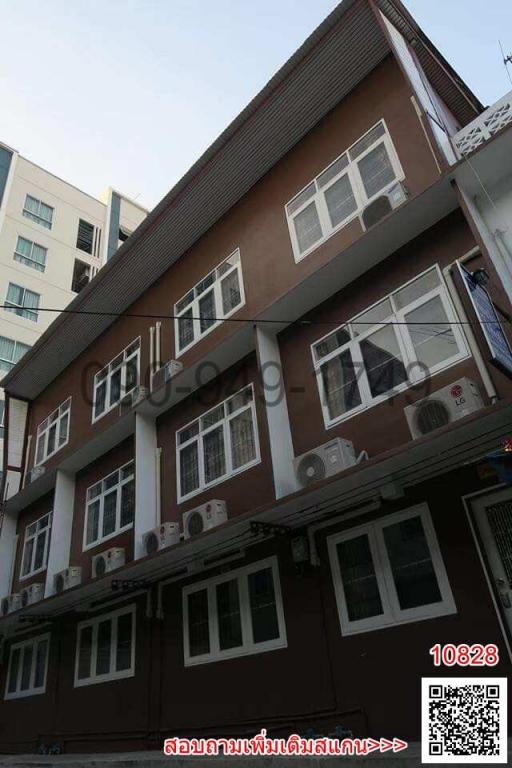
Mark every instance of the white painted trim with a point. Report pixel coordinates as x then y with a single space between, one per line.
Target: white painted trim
43 434
219 314
392 614
406 348
101 497
47 533
33 641
230 472
358 191
248 647
122 367
95 679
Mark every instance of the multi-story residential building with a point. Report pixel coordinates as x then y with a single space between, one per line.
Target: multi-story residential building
309 367
53 240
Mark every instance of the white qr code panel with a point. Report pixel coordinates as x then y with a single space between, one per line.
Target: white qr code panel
464 720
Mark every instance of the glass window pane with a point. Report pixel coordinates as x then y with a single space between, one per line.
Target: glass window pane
188 432
127 503
109 512
240 400
377 314
189 469
340 200
40 673
185 329
416 289
214 456
431 333
332 171
13 670
132 373
212 417
230 290
26 668
301 198
198 626
262 599
337 339
207 311
27 557
115 387
104 647
307 227
205 283
341 388
358 577
376 170
84 653
366 142
243 445
52 437
185 301
93 517
411 564
40 551
383 361
63 428
100 398
228 615
124 642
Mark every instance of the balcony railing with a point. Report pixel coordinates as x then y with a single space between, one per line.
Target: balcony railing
484 126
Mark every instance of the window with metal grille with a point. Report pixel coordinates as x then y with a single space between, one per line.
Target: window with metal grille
116 380
110 506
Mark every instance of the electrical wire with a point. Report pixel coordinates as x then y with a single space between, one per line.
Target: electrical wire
258 321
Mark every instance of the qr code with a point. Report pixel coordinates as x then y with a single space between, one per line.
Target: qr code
464 720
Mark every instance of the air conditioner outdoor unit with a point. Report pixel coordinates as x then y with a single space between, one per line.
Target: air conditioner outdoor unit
166 373
107 561
135 397
322 462
32 594
442 407
162 537
205 517
36 472
66 579
384 204
10 603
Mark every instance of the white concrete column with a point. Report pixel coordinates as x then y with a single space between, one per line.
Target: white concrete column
8 540
146 502
62 526
281 446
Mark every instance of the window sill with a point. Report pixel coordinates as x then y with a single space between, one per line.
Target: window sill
434 613
125 674
32 574
23 694
200 338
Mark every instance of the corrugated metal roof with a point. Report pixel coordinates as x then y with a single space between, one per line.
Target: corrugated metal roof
341 52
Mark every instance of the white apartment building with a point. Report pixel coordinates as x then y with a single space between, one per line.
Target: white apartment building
53 240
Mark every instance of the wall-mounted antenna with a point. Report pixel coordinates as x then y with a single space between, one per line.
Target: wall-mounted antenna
506 61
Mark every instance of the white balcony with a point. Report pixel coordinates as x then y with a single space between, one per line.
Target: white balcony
484 126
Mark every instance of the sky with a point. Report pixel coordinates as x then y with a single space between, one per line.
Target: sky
129 93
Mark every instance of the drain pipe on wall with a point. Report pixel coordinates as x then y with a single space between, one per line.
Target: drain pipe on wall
158 478
475 350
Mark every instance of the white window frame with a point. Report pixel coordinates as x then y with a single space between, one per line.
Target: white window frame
228 417
409 358
217 293
362 200
47 533
44 428
248 647
11 306
34 641
101 497
100 376
392 614
112 616
22 258
46 223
